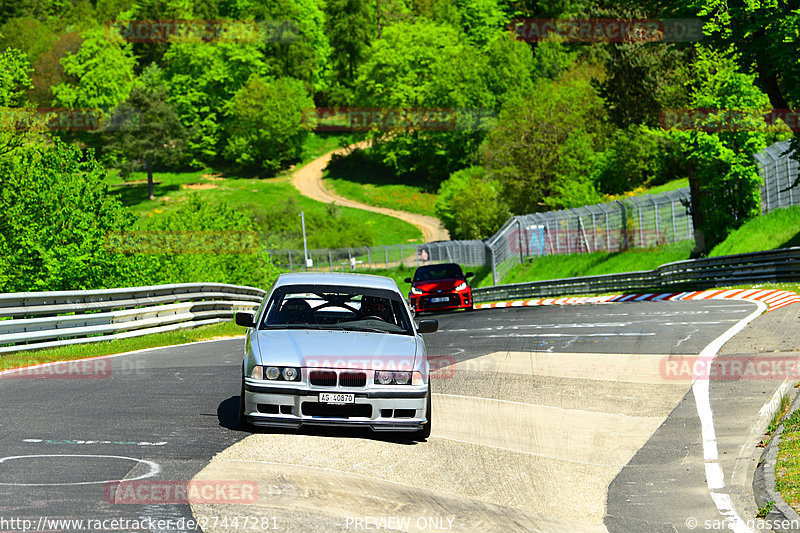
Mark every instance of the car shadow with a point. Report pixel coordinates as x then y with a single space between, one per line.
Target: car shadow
228 414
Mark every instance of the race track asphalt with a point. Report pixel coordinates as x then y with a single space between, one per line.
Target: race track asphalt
538 411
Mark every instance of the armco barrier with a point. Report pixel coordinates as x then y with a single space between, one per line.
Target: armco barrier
33 320
757 267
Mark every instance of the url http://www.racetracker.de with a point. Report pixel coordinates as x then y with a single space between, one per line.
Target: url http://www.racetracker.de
45 523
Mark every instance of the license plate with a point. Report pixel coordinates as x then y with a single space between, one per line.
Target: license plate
332 397
437 300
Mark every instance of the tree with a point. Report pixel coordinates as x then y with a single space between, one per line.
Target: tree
644 79
348 24
762 35
421 67
545 143
48 71
202 78
145 130
14 82
470 205
55 215
723 177
294 39
27 35
14 77
99 75
267 124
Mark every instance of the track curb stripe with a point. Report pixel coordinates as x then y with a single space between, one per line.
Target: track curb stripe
772 298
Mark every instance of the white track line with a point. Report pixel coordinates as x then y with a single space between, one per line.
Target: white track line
715 478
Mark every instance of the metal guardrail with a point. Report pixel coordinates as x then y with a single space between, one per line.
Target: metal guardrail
34 320
757 267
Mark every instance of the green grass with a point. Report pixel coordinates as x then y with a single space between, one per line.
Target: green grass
361 177
170 338
777 229
273 203
597 263
669 186
394 196
787 468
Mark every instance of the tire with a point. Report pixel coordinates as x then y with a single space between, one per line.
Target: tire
244 425
425 432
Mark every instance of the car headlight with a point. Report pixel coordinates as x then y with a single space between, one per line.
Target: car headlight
415 290
389 377
275 373
461 286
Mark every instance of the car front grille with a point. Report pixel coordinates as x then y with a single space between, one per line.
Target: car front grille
352 379
355 410
322 378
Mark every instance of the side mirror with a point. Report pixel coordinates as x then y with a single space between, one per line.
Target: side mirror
407 280
428 326
469 274
246 320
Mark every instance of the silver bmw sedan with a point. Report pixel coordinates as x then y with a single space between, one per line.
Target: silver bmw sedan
335 349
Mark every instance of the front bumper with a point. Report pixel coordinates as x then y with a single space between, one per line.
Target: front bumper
455 300
393 408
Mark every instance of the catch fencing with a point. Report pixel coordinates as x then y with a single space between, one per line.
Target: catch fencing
34 320
779 172
638 221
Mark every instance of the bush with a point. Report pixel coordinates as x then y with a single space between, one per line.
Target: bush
470 205
205 242
635 157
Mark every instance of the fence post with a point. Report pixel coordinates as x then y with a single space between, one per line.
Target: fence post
492 263
369 258
330 259
674 225
624 236
386 256
290 261
519 239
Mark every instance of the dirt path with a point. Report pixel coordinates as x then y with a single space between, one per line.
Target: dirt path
308 180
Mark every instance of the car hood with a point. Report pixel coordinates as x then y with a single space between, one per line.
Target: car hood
334 349
438 285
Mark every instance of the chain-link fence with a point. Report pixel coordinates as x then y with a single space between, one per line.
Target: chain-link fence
780 172
639 221
467 253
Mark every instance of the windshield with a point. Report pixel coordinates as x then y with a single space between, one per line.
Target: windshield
434 272
340 308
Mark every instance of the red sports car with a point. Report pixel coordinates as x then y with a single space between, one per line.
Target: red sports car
439 287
